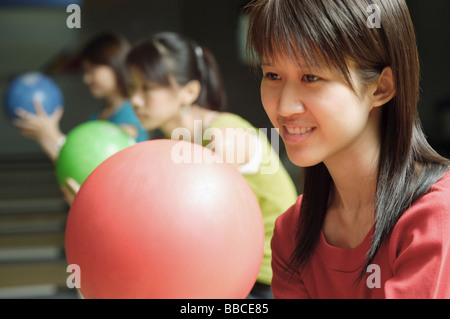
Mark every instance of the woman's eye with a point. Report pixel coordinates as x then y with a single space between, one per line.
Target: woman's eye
310 78
272 76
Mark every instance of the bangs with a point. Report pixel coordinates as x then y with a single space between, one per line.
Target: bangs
147 58
308 33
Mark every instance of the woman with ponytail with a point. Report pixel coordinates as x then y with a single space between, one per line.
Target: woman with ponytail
175 83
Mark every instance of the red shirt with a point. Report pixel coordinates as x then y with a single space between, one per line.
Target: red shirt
413 262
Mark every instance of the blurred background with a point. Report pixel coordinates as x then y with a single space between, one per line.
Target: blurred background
34 37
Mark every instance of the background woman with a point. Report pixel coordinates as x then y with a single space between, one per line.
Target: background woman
175 83
102 59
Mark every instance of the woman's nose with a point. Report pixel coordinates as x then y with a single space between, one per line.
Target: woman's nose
290 101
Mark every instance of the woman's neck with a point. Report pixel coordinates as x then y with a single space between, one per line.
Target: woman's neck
353 194
114 101
355 175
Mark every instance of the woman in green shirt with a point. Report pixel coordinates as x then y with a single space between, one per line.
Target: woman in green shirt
176 87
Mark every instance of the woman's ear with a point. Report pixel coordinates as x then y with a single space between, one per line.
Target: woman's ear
383 88
190 92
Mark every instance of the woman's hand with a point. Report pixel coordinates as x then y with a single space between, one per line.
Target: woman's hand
42 128
70 191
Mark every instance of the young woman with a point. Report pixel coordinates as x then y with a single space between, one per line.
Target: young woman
374 217
175 84
104 73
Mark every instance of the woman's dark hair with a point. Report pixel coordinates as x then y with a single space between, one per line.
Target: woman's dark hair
335 32
109 49
171 55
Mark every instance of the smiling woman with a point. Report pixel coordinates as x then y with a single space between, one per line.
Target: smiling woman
344 95
313 107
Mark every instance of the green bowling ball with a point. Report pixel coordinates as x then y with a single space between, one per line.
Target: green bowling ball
87 146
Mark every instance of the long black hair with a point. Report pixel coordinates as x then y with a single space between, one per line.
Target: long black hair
333 32
170 54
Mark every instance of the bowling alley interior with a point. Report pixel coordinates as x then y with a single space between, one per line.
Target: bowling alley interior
45 37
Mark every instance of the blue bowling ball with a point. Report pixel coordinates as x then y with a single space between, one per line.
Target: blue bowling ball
31 86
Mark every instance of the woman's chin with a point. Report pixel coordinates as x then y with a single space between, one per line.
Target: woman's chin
301 159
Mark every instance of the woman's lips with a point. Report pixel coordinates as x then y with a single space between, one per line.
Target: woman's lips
296 134
298 130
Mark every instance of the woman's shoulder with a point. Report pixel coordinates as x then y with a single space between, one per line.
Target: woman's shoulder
442 186
437 199
125 109
430 214
125 114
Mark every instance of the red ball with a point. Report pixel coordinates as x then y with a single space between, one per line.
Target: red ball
144 225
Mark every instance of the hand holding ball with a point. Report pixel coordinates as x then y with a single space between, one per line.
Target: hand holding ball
29 88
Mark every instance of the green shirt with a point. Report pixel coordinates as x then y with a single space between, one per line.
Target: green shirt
271 183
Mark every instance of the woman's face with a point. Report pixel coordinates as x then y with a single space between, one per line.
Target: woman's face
100 79
318 115
154 104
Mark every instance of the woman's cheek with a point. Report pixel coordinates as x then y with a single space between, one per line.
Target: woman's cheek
269 102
